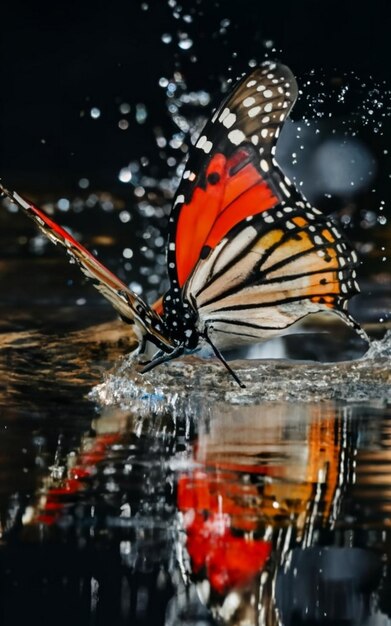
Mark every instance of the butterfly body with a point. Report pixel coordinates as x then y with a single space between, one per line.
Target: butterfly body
247 255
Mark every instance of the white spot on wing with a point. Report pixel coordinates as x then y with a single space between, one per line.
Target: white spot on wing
254 111
224 114
19 199
236 136
284 189
179 200
264 165
229 120
248 102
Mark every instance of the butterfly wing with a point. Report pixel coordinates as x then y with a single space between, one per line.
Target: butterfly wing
132 309
271 271
246 249
229 175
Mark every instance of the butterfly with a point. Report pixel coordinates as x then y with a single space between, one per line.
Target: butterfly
247 255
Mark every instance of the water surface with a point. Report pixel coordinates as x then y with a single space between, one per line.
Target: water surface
178 498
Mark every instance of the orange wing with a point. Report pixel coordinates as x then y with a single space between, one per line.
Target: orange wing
231 174
268 273
246 250
213 211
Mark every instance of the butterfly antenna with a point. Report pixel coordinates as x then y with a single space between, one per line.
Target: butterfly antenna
224 362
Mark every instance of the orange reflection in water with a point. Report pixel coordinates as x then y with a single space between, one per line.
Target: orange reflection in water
258 469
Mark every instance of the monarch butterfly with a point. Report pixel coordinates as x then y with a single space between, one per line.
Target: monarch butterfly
247 255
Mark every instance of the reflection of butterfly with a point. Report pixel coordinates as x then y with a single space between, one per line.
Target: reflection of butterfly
247 255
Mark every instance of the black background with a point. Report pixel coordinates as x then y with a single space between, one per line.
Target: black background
61 58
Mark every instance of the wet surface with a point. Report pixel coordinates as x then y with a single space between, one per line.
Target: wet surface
177 497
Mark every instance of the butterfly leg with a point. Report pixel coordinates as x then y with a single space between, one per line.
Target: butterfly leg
157 355
161 357
141 347
224 362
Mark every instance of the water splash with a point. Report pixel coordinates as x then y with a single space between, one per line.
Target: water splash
192 384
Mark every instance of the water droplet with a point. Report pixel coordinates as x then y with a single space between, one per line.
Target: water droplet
141 113
185 43
159 241
123 124
136 287
166 38
63 204
124 108
125 175
161 141
127 253
95 113
154 279
84 183
124 217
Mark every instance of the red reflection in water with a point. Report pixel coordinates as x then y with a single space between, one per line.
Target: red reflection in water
230 560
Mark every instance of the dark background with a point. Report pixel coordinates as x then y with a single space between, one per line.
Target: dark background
59 59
